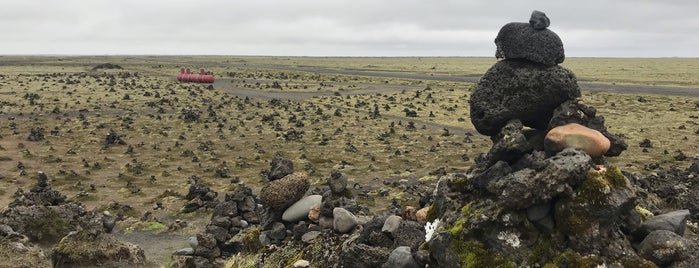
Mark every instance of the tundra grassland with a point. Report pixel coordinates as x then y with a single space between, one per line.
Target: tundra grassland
385 133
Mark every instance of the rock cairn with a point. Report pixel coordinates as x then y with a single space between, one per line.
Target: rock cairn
542 195
44 216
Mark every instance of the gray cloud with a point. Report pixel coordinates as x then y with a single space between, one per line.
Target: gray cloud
623 28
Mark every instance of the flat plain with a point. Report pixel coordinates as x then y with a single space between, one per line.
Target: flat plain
381 121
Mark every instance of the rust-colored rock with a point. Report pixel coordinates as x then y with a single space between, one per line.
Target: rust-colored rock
314 213
576 136
421 215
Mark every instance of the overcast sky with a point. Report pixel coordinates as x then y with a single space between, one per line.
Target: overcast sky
590 28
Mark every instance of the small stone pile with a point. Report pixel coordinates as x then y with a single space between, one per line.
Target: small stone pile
44 216
542 195
223 235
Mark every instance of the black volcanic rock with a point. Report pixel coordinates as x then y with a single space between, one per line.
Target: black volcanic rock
519 40
516 89
539 20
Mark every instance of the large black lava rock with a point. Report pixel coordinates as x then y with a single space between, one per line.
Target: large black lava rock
519 40
517 89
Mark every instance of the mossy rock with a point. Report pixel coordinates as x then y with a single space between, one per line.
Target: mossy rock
473 254
20 255
88 248
572 259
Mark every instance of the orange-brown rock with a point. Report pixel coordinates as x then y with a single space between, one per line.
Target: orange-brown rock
314 213
576 136
421 215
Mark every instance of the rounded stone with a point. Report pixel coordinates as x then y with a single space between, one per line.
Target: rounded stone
576 136
539 20
300 210
401 257
513 89
280 194
663 247
518 40
343 220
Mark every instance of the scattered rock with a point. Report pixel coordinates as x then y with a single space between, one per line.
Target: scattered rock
343 220
301 209
664 247
391 225
401 257
674 221
337 182
280 168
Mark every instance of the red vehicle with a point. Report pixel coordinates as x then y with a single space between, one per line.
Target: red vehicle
187 76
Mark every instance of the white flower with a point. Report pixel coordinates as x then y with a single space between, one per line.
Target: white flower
430 227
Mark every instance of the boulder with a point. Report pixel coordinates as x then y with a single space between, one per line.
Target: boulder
343 220
576 136
527 187
314 213
421 215
517 40
401 257
410 234
674 221
88 248
390 226
280 168
280 194
300 210
515 89
664 247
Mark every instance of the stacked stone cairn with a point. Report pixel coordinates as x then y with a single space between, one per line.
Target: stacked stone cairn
542 195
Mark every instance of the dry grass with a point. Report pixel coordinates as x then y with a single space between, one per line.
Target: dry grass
244 135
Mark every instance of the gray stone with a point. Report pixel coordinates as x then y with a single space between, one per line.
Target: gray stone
513 89
337 181
674 221
664 247
519 40
278 232
343 220
524 188
410 234
310 236
362 255
539 20
538 211
325 222
185 252
401 258
509 144
441 252
279 168
264 239
299 210
497 170
391 225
